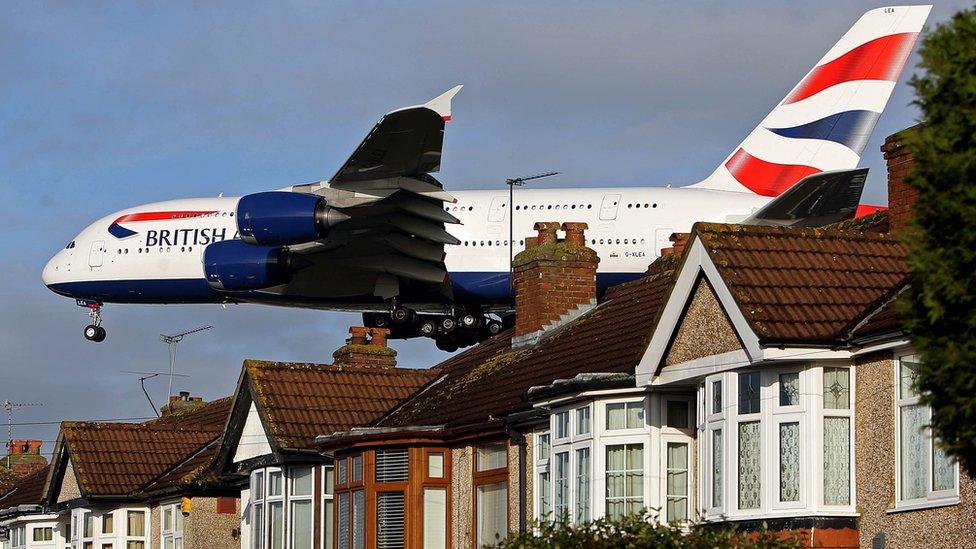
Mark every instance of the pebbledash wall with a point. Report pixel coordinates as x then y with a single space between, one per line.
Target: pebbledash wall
947 523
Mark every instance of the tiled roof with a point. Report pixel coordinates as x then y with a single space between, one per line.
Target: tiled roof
193 468
878 222
28 490
211 415
301 401
7 478
884 320
491 380
804 285
119 458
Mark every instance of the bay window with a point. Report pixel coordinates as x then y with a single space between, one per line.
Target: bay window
837 436
171 526
564 468
135 530
300 492
677 482
257 509
926 475
625 415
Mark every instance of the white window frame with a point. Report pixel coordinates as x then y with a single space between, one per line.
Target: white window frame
175 530
932 498
570 445
290 498
328 497
835 412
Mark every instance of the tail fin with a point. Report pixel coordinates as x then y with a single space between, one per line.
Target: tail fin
825 121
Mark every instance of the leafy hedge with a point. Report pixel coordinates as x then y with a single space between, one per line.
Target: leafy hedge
640 531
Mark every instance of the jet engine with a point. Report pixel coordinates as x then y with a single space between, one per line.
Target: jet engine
233 265
279 218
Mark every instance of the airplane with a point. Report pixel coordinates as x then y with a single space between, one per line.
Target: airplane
382 236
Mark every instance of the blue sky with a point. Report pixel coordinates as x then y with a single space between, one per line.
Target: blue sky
106 105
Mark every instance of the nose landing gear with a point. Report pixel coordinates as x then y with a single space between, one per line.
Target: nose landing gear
94 331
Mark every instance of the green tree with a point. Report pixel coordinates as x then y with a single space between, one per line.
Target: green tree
641 531
940 307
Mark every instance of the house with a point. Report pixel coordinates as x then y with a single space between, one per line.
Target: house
141 485
23 522
268 450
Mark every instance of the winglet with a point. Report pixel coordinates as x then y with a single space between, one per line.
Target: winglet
442 103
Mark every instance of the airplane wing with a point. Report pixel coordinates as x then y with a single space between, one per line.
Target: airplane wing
395 233
814 201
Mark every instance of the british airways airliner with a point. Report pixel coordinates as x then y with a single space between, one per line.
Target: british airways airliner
384 238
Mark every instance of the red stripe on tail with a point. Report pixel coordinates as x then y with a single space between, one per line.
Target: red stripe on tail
765 178
880 59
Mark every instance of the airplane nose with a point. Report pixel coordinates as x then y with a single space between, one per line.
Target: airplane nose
50 272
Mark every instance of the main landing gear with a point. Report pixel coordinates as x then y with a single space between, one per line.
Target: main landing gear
450 332
94 331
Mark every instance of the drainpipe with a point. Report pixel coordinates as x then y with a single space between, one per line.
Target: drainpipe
519 439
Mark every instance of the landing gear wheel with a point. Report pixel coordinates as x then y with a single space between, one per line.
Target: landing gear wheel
427 327
94 333
447 344
447 325
468 320
401 315
494 327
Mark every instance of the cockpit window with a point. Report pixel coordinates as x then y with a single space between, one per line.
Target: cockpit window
70 245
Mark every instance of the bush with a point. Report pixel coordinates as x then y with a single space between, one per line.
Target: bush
643 530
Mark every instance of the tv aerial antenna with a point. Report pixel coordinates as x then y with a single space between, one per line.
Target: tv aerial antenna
174 341
512 183
143 376
9 407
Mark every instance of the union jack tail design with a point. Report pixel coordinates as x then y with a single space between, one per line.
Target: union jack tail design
826 120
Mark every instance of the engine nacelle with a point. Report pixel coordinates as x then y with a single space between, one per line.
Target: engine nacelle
233 265
278 218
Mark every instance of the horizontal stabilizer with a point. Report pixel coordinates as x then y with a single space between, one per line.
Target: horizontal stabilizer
814 201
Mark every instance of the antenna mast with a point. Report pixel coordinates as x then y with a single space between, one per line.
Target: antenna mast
173 341
512 183
9 407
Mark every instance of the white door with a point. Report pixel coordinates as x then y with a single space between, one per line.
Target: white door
497 210
96 254
608 210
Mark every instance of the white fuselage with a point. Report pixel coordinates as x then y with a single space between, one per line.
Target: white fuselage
153 253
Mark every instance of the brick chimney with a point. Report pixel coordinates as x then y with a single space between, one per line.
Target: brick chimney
678 243
24 456
366 348
555 281
182 402
901 196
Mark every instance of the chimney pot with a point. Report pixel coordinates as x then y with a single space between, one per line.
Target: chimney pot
359 352
358 335
575 233
379 336
546 232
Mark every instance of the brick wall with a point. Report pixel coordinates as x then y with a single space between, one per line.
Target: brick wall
901 197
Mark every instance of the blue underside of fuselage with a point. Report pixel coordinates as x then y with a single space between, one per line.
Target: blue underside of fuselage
468 287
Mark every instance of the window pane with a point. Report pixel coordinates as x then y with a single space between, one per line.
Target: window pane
329 486
717 467
493 456
837 461
492 519
616 416
357 468
561 508
789 461
583 420
908 373
89 525
435 465
635 415
108 523
545 497
274 484
341 465
544 446
135 545
301 481
749 391
301 524
257 486
837 388
276 524
677 482
136 526
358 519
678 414
562 424
914 451
750 468
943 470
328 523
435 518
343 526
625 479
716 397
257 526
391 466
789 389
582 485
389 520
167 518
